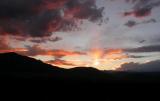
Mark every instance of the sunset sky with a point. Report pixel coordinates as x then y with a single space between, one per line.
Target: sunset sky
105 34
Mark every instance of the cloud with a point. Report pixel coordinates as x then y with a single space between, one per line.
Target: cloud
69 63
110 54
139 12
152 48
38 18
4 43
135 56
142 8
153 66
45 39
59 62
5 47
132 23
12 50
36 50
115 54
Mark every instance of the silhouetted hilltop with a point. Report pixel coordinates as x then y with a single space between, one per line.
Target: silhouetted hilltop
18 63
13 65
22 66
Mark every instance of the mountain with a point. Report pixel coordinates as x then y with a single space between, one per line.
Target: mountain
19 66
13 62
57 83
15 66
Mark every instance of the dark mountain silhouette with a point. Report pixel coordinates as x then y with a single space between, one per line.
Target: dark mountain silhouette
80 83
13 62
13 65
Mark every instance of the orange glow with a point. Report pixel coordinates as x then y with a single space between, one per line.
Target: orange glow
100 59
14 50
96 55
60 63
115 54
94 58
96 62
115 51
62 53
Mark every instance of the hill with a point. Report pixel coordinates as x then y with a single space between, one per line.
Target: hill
47 83
15 66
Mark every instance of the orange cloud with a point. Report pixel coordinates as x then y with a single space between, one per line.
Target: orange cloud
13 50
5 47
114 51
59 62
38 50
69 63
115 54
61 53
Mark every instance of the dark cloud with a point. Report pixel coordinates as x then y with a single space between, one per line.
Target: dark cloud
151 48
142 41
34 50
45 39
139 12
153 66
38 18
142 8
132 23
135 56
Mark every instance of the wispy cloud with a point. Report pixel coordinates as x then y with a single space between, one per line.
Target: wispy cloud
151 48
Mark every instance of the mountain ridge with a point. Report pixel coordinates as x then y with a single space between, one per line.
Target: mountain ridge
15 66
19 64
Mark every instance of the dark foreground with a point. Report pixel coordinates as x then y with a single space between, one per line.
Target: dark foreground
35 80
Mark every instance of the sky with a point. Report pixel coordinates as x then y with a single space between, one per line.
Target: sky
105 34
